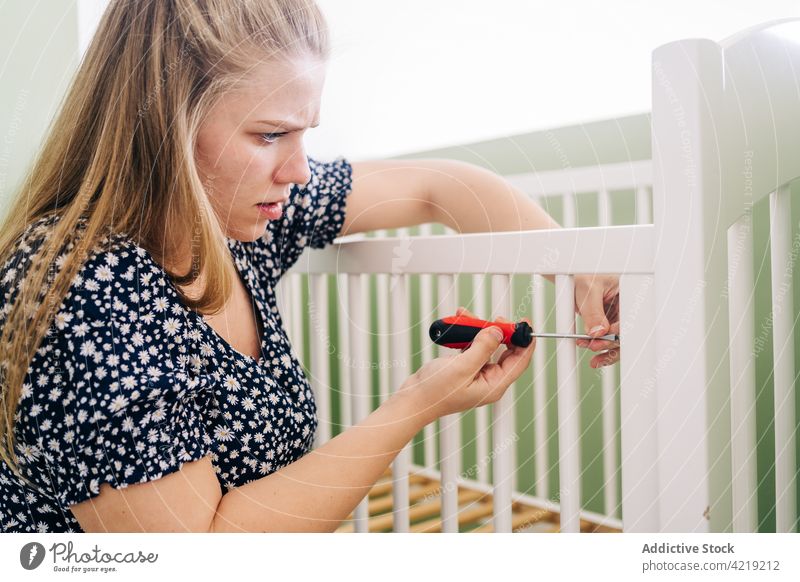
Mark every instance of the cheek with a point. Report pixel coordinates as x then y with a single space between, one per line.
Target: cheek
254 166
231 175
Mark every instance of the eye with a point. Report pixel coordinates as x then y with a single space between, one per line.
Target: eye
269 138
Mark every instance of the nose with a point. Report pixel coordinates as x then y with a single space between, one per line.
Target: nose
293 168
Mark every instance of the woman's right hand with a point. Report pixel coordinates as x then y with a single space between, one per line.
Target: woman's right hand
461 381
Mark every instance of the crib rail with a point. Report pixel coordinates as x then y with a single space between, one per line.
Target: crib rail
637 175
615 249
563 253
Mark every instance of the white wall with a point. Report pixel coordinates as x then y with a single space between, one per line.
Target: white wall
419 74
412 75
38 56
89 13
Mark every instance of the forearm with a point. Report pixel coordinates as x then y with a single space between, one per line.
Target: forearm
317 492
468 198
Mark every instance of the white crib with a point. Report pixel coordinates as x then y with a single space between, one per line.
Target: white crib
725 134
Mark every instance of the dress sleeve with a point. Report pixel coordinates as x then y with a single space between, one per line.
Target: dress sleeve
109 397
313 217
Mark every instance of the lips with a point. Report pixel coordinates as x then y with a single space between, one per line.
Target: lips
283 201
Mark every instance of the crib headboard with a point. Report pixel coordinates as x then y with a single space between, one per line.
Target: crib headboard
725 133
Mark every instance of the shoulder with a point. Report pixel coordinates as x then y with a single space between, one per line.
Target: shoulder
115 277
327 177
115 274
322 197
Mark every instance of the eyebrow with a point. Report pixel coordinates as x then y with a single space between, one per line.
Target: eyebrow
283 124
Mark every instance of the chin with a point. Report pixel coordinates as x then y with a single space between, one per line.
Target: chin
249 234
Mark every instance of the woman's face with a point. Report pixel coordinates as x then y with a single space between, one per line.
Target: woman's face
250 146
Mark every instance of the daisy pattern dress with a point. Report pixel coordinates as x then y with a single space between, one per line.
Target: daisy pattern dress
128 384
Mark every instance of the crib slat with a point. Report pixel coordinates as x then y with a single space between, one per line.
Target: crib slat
569 219
639 405
644 211
608 377
384 356
449 427
357 362
425 283
401 358
603 207
382 327
482 412
609 385
428 313
540 391
282 297
783 357
345 394
568 413
287 305
743 376
503 425
541 462
296 320
320 366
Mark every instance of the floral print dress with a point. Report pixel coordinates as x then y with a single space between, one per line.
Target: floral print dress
128 384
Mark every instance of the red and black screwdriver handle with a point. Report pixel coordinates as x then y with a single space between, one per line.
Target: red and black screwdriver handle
459 331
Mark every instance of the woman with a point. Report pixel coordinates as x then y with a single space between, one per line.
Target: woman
148 384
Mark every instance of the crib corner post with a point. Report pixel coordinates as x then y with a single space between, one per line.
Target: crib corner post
690 267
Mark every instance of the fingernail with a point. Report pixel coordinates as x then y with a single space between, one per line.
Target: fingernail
498 333
596 329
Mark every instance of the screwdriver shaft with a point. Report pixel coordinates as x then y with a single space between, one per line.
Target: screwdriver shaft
610 337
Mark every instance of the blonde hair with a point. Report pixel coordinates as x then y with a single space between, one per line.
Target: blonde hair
119 156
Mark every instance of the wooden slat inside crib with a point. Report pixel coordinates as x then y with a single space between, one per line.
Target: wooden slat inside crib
475 510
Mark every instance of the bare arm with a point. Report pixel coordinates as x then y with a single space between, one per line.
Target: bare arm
313 494
317 492
465 197
462 196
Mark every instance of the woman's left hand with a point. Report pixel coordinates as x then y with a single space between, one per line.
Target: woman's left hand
597 302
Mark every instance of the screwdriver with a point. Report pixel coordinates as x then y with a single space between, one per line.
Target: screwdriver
458 332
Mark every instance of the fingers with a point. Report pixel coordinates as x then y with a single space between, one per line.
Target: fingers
612 353
605 359
597 301
507 346
589 301
612 308
519 357
515 360
483 347
463 311
601 345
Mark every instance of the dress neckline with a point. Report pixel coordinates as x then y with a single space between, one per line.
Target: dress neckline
255 299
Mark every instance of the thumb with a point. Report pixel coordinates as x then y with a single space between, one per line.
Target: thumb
483 347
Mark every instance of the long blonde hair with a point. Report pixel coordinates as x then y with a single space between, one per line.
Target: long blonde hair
119 156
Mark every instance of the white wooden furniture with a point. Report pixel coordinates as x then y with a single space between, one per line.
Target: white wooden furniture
725 134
